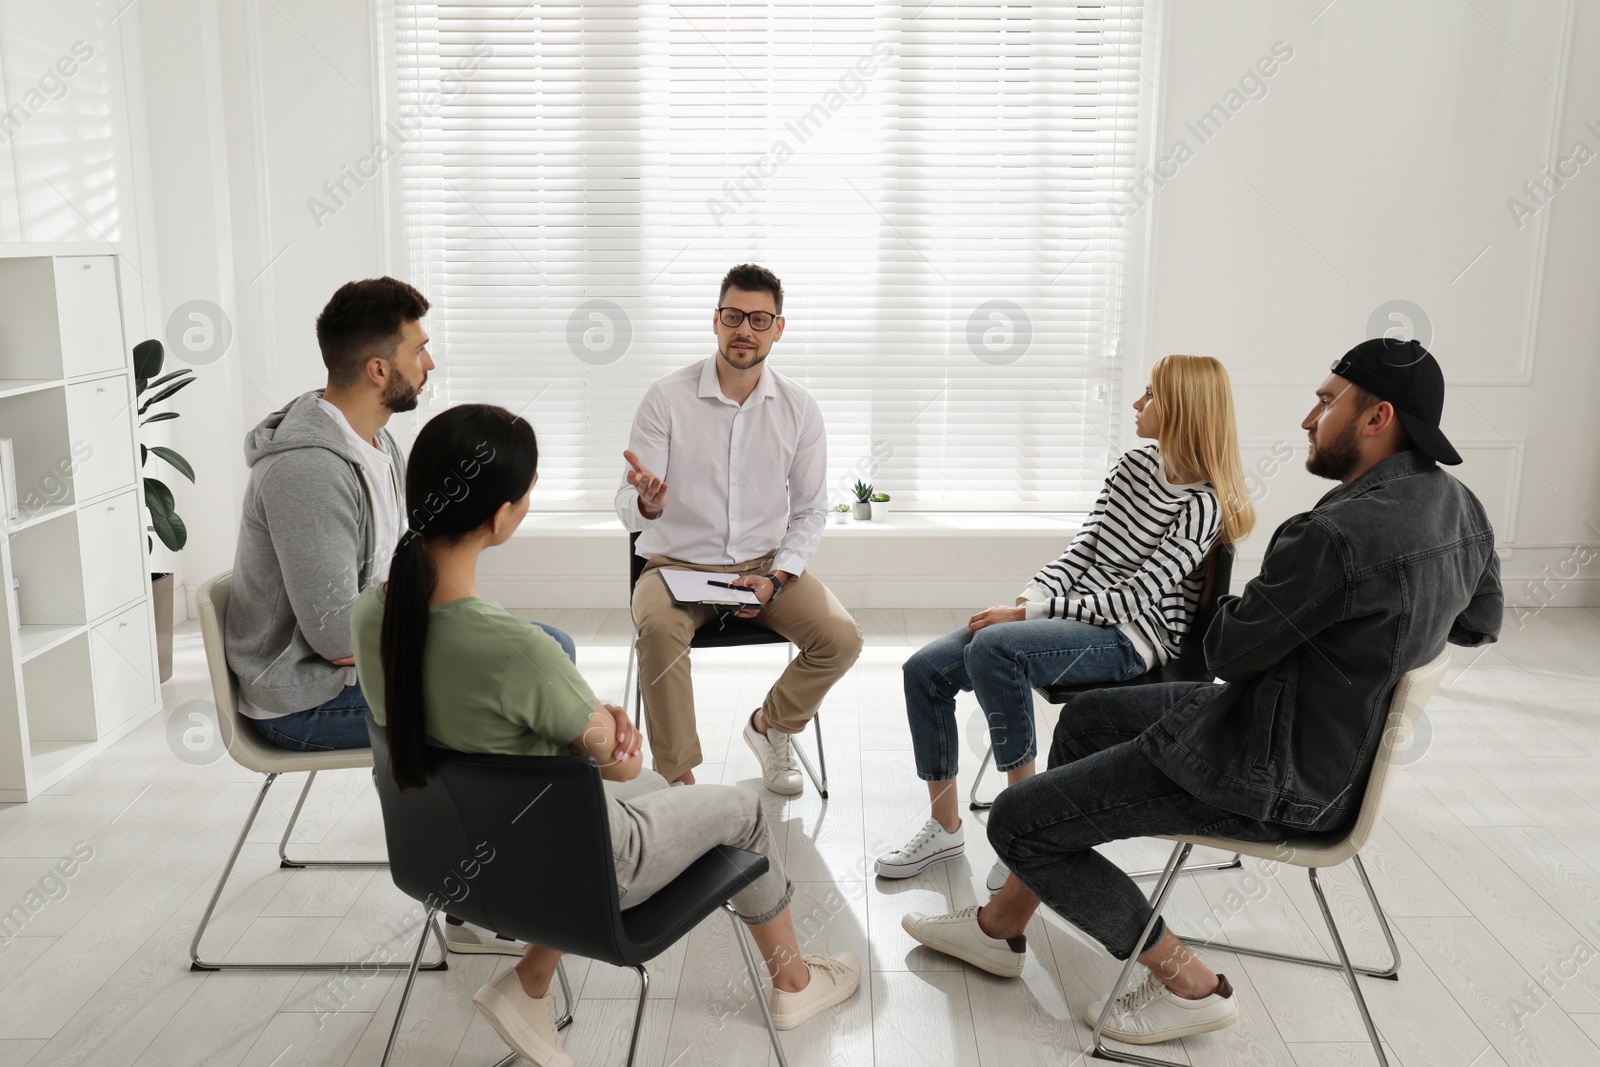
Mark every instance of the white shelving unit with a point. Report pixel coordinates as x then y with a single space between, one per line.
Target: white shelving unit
77 630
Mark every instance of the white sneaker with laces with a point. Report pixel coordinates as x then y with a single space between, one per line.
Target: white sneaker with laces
834 979
775 753
996 880
931 844
527 1024
958 934
1152 1013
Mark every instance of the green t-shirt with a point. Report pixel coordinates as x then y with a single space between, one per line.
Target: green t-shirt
491 682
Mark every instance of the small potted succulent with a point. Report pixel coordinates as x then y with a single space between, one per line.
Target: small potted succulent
839 512
880 506
863 505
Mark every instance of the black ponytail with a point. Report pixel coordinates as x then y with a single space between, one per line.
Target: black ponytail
466 463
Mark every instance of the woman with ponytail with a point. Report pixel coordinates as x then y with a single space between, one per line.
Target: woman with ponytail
445 667
1114 606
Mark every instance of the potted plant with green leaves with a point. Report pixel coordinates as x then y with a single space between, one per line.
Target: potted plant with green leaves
863 505
165 523
880 506
839 512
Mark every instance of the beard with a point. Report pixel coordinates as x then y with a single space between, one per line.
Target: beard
400 395
1337 458
758 357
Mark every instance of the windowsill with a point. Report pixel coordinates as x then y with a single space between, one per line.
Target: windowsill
908 523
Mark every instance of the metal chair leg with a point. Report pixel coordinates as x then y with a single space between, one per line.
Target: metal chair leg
638 1015
198 964
1392 971
742 938
1229 865
283 844
821 784
405 992
974 804
1344 963
566 996
1169 878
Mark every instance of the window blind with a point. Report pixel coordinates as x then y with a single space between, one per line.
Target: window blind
934 184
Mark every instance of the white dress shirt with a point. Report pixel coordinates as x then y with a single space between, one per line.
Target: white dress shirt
742 480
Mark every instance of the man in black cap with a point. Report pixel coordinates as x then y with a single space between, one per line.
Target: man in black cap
1369 584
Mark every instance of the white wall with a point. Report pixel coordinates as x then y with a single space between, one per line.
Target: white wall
72 163
1376 167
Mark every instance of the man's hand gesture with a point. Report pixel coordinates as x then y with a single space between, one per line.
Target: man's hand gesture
652 490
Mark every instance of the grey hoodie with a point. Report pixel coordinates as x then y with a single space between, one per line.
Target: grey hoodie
306 546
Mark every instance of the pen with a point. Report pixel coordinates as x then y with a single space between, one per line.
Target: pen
723 585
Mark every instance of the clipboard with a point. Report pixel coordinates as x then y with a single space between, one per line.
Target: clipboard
694 587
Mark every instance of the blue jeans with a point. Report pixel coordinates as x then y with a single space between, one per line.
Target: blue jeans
1002 663
1100 787
342 722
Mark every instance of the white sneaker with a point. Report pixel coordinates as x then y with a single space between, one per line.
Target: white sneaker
776 756
997 877
527 1024
958 934
474 940
931 845
1152 1013
834 979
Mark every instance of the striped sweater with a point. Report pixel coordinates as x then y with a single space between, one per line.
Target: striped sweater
1136 563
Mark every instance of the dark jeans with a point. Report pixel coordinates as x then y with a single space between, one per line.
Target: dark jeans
1099 788
341 722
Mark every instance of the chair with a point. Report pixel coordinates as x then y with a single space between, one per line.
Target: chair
722 632
254 752
549 878
1313 852
1188 666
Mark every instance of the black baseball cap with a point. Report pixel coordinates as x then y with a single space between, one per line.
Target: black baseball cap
1407 376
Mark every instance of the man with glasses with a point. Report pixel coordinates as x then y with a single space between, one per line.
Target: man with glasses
747 455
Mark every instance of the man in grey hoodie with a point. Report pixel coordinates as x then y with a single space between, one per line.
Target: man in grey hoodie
322 515
323 512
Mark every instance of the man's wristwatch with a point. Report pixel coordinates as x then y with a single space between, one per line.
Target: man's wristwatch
777 586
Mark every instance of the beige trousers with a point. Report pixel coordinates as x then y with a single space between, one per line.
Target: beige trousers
807 613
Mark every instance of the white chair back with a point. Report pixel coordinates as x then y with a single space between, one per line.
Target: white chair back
247 747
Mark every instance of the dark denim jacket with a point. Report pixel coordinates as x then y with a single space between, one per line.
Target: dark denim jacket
1367 585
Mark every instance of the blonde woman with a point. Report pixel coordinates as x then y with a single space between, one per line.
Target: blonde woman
1114 606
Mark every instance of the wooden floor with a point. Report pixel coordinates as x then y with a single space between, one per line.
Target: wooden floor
1488 863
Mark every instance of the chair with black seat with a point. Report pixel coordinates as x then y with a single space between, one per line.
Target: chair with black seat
725 631
548 877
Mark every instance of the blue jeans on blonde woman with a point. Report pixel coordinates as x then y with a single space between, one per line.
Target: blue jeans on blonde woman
1002 663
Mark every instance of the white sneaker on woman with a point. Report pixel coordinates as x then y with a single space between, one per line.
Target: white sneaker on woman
834 979
1152 1013
525 1023
928 846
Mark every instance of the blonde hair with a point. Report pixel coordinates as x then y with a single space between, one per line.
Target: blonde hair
1195 401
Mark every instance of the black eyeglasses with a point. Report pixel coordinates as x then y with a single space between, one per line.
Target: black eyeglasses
760 321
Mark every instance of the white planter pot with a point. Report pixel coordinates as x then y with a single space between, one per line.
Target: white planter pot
838 516
880 510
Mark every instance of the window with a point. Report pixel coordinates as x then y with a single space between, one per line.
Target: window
934 184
